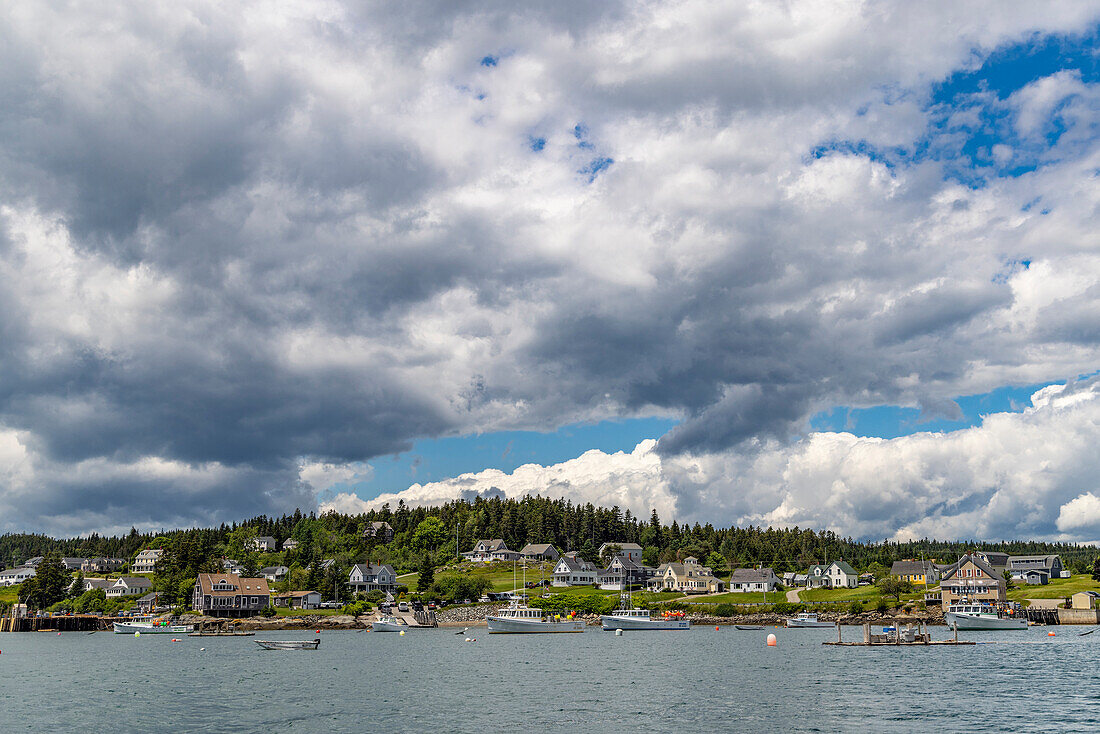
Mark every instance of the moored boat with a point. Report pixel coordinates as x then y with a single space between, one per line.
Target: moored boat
641 619
975 616
388 623
806 619
289 644
152 627
522 620
747 627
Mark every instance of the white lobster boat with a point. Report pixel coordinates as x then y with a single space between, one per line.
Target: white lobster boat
640 619
388 623
521 620
289 644
806 619
973 616
152 627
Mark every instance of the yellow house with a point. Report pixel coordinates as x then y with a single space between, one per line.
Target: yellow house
920 573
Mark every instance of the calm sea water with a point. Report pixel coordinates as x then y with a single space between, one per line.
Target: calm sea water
432 680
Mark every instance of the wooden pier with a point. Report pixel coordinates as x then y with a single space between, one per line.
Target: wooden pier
66 623
220 628
907 636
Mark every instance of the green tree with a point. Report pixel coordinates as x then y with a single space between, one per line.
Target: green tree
894 586
78 585
429 534
878 571
426 579
1096 569
53 581
609 552
90 602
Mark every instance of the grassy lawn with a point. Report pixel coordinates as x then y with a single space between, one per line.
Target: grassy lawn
9 594
738 597
862 593
1056 589
498 574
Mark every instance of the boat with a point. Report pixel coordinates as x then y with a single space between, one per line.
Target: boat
150 626
640 619
523 619
981 616
388 623
806 619
747 627
289 644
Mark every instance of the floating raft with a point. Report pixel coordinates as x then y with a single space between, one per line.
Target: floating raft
221 634
909 636
917 643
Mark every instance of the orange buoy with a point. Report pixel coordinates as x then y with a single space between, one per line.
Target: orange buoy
772 642
1050 634
715 628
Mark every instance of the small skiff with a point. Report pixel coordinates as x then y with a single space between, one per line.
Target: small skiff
289 644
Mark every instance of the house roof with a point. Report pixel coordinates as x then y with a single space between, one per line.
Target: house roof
296 594
133 581
909 568
245 587
994 558
274 569
491 545
624 546
751 575
954 568
372 569
843 566
264 538
575 564
151 596
98 583
1046 561
536 548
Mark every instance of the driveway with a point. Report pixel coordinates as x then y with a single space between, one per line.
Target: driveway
792 596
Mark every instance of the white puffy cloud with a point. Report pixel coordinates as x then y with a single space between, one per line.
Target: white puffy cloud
1016 475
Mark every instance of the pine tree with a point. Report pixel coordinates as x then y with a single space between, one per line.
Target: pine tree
426 579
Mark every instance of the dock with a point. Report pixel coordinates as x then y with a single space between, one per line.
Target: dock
907 636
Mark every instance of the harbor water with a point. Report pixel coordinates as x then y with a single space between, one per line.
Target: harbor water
434 680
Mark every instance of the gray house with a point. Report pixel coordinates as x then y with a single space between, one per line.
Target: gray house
1051 564
372 577
540 552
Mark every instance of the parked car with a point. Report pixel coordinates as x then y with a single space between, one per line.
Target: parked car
331 604
431 605
402 606
417 606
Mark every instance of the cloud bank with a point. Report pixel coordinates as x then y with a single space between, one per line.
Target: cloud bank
239 240
1017 475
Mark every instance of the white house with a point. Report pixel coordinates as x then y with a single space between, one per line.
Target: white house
574 571
690 577
487 551
129 586
290 544
753 579
146 560
372 577
264 543
274 573
18 575
632 551
841 576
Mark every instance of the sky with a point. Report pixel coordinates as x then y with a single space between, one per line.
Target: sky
832 265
